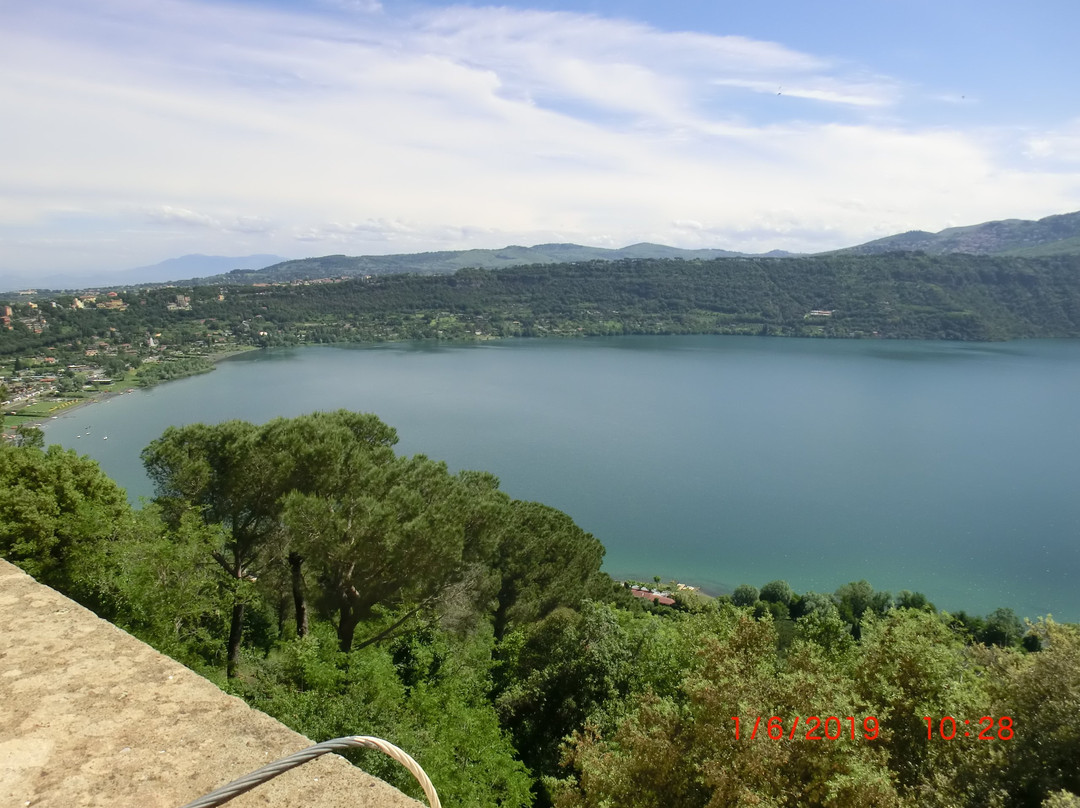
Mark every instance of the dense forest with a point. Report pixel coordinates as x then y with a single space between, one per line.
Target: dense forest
896 295
343 588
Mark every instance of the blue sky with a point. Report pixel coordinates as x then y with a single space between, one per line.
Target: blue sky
133 132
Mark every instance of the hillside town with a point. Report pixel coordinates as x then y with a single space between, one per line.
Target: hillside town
59 351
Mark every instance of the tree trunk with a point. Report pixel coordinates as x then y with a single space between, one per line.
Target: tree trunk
236 631
295 560
504 600
348 621
387 632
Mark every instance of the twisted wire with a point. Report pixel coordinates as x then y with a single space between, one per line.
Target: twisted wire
240 785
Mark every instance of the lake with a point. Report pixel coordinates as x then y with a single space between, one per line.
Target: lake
946 468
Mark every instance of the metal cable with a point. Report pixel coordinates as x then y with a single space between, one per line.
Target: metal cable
237 787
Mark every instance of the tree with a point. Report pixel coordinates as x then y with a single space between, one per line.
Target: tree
858 598
1041 693
684 751
320 453
910 665
115 367
913 600
224 473
170 587
59 514
744 595
441 714
544 560
389 534
29 436
813 603
1062 799
558 673
1002 627
777 592
323 490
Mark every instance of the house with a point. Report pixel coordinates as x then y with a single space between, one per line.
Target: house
652 595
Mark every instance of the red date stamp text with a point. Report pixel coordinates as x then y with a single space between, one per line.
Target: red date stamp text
813 728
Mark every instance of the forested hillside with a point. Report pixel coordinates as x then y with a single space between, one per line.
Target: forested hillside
343 588
449 261
916 296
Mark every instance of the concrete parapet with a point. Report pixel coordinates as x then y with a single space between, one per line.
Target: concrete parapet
91 716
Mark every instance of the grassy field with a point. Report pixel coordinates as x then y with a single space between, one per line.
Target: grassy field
42 409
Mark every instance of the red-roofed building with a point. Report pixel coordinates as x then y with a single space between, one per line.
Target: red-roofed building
649 594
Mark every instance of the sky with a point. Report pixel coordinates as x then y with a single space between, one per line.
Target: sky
134 131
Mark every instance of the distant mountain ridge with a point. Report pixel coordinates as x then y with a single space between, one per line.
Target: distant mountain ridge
171 269
449 261
1052 235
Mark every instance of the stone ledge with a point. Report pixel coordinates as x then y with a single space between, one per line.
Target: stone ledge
91 716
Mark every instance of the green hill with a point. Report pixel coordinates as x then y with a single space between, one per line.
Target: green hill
1054 235
450 261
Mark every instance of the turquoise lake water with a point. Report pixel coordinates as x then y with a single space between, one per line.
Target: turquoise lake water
948 468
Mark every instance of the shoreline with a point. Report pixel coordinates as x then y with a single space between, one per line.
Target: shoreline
97 397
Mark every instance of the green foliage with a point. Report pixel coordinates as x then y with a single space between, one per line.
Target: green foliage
544 561
910 666
685 752
1003 628
891 295
494 650
167 370
224 472
171 592
744 595
1061 799
29 437
388 535
813 603
443 719
558 674
913 600
827 631
858 598
777 592
586 668
58 516
1041 692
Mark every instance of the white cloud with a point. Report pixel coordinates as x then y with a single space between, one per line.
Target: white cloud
352 232
166 214
182 126
857 94
1061 145
362 6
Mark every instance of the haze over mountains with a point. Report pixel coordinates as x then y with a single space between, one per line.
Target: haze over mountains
171 269
1052 235
446 262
